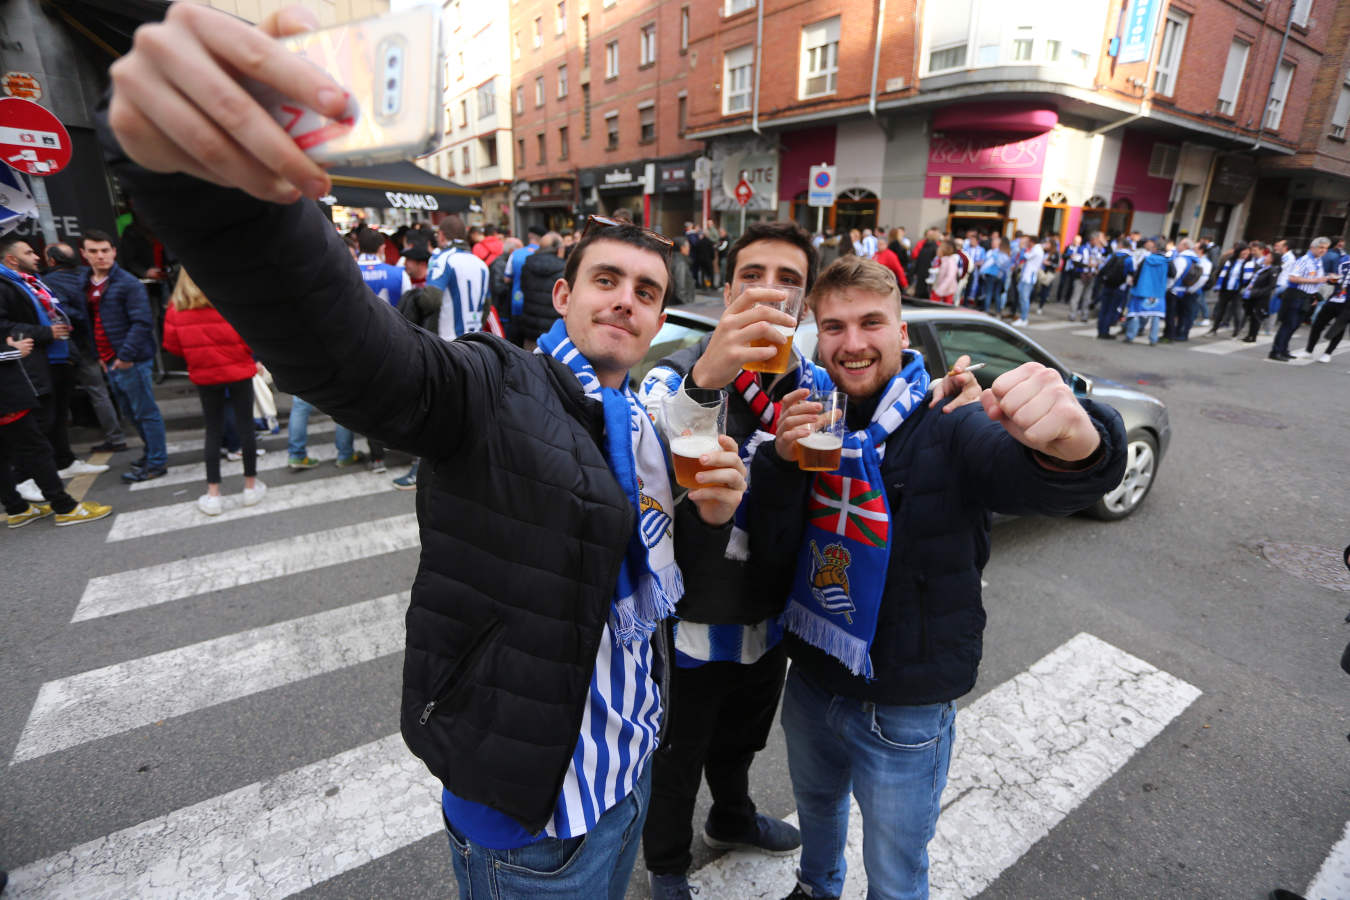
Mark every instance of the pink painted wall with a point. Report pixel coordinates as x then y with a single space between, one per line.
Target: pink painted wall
800 151
986 161
1148 194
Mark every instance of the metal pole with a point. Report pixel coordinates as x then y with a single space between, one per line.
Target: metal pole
742 219
44 208
820 220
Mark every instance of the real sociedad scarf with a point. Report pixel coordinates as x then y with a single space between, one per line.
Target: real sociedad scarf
649 582
809 376
841 566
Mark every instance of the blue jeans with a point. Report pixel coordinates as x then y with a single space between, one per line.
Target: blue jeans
991 285
297 432
1294 304
1132 328
596 864
134 391
1108 313
893 758
1024 289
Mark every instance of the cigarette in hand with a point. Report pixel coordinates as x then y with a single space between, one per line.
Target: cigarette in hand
957 370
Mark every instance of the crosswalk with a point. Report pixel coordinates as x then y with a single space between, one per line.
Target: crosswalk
1218 345
1029 751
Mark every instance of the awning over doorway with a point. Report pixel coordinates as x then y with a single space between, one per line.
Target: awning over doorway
398 185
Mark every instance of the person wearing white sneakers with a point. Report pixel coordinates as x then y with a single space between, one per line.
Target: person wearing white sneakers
1032 259
222 366
1335 312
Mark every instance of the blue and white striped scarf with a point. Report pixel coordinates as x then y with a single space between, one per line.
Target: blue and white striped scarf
649 582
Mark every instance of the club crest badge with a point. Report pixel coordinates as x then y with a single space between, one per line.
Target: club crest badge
653 523
829 579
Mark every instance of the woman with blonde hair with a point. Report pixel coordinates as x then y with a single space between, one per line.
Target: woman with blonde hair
222 367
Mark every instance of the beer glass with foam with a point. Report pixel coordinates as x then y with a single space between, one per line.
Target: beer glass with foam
790 304
821 450
692 419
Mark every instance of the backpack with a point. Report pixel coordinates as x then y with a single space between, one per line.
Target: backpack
1191 275
1113 274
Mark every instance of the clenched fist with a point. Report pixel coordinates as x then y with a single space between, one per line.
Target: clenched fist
1040 411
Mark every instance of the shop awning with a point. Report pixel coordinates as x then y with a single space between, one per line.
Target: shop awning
398 185
1000 118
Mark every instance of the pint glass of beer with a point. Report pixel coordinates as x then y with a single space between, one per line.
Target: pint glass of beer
790 304
821 450
692 419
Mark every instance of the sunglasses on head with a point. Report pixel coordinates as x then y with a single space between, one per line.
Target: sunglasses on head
594 222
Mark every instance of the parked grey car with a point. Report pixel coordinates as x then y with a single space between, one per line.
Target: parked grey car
942 334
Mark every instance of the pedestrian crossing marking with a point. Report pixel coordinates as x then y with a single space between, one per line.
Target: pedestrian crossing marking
105 595
297 495
1026 755
196 471
1332 881
195 445
1234 345
1084 332
1050 326
113 699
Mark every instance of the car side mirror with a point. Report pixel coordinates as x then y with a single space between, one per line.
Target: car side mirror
1082 387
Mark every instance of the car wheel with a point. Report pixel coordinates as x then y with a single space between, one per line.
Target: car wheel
1141 467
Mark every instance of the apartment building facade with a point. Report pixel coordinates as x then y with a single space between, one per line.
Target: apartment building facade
1221 118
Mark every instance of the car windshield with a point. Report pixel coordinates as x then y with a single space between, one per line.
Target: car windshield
1001 350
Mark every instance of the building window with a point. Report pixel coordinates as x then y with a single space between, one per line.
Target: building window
647 45
538 31
464 113
682 113
947 58
612 130
684 29
464 159
539 149
737 75
520 99
1232 77
1275 112
539 90
562 81
520 153
459 60
647 123
1302 8
1169 57
487 99
612 59
1341 116
586 42
738 6
1080 59
1162 163
560 17
515 44
1021 49
449 119
819 66
487 151
562 143
1052 49
585 111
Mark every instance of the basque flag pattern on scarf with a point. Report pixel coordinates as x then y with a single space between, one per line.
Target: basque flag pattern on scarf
841 566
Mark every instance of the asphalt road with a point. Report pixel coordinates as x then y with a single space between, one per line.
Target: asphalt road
1246 789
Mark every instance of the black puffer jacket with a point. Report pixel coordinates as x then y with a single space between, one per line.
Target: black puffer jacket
523 527
537 277
18 317
943 476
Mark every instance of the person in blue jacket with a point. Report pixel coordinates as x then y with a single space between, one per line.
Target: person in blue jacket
993 273
1148 293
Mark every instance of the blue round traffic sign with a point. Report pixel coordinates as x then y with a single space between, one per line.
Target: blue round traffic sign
822 179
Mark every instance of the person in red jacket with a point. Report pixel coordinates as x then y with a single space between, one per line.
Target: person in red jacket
887 258
222 367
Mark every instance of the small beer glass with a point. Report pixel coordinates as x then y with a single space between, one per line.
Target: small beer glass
692 419
790 304
821 450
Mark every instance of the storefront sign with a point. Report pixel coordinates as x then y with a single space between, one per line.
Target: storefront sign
1138 28
626 178
412 201
758 168
945 185
961 154
21 85
675 176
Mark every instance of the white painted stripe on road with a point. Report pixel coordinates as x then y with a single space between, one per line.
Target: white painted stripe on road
178 516
1051 326
1026 755
105 595
1232 345
196 471
1309 360
1332 881
1084 332
271 838
194 445
117 698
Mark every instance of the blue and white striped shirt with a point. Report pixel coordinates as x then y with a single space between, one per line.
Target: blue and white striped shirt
463 280
1306 266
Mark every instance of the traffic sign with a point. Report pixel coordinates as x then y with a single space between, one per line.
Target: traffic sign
820 191
744 192
32 139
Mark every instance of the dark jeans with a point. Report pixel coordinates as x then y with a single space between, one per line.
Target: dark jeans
1255 312
991 289
1108 314
1293 307
1335 314
1189 306
134 390
54 414
1227 306
719 717
1066 280
1175 303
23 445
240 398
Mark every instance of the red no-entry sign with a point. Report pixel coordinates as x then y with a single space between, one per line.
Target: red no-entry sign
744 192
32 139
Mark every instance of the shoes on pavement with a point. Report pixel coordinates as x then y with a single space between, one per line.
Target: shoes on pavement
80 467
772 836
34 512
376 465
29 491
670 887
407 482
799 893
343 462
145 474
212 506
1019 323
1249 340
1299 354
108 447
1205 322
1324 358
1129 340
297 463
88 511
236 455
253 496
1279 357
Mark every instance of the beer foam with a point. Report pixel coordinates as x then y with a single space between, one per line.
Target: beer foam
823 441
694 445
786 331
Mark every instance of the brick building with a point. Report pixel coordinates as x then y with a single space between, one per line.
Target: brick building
1160 115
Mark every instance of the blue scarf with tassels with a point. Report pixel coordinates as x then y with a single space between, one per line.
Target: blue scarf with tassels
649 582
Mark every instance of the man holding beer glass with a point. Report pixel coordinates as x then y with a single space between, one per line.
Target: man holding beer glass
880 561
550 542
729 662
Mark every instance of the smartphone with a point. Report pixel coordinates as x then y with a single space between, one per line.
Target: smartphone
390 65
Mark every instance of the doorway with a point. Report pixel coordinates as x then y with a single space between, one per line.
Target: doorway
983 209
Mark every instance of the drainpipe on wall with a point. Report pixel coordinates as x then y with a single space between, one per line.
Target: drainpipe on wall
1270 92
876 57
759 63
